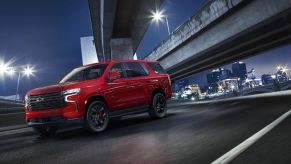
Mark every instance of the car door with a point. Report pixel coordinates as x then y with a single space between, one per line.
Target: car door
117 92
136 75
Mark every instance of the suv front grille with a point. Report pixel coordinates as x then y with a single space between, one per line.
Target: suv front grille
46 101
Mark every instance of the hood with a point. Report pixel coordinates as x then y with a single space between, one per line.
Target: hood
50 89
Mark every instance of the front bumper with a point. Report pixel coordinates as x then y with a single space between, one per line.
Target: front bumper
58 116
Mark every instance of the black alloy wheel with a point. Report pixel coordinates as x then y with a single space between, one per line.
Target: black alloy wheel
158 107
97 117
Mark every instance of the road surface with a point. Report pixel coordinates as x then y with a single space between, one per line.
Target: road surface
191 133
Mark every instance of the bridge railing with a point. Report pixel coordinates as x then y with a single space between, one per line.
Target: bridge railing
206 15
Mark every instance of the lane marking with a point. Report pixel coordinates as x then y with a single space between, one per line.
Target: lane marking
230 155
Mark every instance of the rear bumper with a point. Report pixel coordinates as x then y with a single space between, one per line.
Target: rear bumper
53 121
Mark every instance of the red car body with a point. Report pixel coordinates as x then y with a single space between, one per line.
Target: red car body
51 105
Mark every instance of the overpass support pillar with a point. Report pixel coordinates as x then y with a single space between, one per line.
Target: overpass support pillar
121 48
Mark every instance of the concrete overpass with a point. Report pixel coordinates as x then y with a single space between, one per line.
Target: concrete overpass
224 31
119 25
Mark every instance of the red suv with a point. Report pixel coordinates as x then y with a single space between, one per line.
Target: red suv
93 94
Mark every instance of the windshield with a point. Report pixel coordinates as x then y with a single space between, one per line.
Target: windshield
84 73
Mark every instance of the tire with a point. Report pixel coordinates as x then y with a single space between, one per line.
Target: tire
46 131
97 117
158 107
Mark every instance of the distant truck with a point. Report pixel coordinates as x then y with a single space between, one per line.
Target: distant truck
191 92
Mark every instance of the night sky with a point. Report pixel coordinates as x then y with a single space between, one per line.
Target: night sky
43 33
47 34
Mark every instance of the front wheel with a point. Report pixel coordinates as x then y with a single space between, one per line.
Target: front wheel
97 117
46 131
158 108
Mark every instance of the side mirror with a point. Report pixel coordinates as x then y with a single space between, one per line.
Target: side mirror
114 76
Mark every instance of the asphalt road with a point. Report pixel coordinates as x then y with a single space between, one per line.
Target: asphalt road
190 133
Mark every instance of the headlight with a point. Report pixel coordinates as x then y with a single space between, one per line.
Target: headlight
26 100
70 96
72 91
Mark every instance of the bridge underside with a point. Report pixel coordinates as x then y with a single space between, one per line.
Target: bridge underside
269 34
119 25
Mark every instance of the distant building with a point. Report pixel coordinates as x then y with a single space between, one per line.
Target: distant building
89 54
195 88
267 79
217 75
225 74
252 83
252 74
239 70
181 84
210 79
228 85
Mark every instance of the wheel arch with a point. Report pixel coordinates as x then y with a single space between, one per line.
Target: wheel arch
157 90
94 98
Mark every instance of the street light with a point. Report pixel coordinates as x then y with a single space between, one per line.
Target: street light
283 69
158 16
10 71
3 67
28 71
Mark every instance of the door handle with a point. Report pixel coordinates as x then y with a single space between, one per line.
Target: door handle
154 80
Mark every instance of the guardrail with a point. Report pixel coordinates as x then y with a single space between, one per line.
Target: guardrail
10 101
8 106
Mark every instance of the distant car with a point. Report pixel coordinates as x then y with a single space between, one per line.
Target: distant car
92 94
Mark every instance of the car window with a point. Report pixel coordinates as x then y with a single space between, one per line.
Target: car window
94 72
118 68
157 67
84 73
135 69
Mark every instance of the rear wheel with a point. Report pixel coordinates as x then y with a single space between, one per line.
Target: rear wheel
97 117
46 131
158 108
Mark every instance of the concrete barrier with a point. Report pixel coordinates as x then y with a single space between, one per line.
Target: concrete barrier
8 106
11 113
12 119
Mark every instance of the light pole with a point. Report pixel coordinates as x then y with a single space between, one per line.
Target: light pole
17 86
28 71
167 25
158 15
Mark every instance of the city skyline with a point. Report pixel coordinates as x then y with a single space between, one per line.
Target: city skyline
259 62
